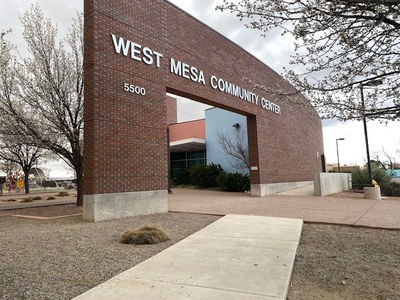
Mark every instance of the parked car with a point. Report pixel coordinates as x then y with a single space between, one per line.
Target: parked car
74 183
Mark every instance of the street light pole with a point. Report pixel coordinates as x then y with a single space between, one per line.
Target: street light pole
337 151
369 83
366 136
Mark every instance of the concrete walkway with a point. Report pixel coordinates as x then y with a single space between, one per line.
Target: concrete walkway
236 257
349 211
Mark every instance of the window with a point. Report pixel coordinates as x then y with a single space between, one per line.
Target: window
181 160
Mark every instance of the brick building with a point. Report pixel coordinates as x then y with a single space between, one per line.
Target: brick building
135 53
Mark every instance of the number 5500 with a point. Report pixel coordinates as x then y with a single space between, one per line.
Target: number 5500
130 88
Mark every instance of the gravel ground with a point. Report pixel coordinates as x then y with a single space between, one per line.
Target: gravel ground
340 262
62 258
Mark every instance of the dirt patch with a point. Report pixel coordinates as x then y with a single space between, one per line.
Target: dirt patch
341 262
46 212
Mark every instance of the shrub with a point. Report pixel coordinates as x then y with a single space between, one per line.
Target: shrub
63 194
360 178
144 235
205 176
51 198
233 182
180 176
391 189
37 198
26 200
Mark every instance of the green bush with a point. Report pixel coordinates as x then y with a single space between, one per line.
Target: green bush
360 178
180 176
204 176
233 182
391 189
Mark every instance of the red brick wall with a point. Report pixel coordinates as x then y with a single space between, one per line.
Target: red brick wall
125 133
187 130
172 114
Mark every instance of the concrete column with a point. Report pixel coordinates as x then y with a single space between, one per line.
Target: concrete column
373 193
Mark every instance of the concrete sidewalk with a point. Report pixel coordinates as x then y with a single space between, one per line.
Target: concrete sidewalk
236 257
359 212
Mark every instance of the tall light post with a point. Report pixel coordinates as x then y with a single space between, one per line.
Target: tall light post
337 151
369 83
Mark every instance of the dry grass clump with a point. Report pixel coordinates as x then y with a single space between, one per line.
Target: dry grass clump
26 200
30 199
63 194
144 235
51 198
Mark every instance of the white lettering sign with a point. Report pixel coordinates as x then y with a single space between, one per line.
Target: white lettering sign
234 90
268 105
148 56
184 70
137 52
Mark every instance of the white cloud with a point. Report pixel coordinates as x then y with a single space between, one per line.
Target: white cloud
353 149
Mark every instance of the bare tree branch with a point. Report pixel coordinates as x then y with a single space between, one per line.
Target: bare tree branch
339 44
235 148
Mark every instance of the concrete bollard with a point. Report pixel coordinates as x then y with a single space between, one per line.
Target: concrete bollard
373 193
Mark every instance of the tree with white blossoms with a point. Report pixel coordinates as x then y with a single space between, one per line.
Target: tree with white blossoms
24 155
42 96
341 46
8 167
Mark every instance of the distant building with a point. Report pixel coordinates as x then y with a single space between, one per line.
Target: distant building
187 144
196 142
225 124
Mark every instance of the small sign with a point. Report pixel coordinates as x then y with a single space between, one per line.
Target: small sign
254 168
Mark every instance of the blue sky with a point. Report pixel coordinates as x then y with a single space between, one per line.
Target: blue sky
273 51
